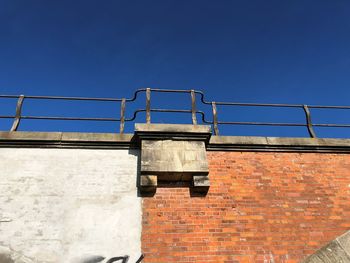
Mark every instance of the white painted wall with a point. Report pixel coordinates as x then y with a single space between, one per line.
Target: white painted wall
65 205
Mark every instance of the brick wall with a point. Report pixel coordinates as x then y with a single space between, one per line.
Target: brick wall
261 207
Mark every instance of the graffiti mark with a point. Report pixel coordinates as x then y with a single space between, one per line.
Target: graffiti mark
97 259
140 259
7 255
124 259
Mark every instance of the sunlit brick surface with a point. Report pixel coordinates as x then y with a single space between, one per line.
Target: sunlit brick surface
261 207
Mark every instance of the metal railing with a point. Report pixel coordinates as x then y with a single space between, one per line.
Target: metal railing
213 121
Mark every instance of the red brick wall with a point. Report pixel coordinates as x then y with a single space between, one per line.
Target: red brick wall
261 207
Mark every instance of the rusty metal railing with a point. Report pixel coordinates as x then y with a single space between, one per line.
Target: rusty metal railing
214 121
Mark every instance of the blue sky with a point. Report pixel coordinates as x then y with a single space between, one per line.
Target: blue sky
244 51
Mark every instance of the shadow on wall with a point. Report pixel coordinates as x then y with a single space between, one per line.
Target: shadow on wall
137 153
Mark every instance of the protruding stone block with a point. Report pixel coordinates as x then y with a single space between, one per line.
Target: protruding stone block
200 184
148 180
148 184
174 153
201 181
169 157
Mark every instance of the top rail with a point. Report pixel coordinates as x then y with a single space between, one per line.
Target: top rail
213 120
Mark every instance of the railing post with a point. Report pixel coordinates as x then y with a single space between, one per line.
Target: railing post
215 118
148 105
308 121
18 113
122 116
193 107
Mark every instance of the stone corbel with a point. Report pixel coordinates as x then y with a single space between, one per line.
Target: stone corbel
173 154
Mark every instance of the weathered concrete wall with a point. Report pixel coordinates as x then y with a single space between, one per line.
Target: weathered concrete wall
336 251
67 205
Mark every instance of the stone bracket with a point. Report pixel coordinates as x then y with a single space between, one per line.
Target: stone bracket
173 154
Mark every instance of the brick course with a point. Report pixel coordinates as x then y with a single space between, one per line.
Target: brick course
261 207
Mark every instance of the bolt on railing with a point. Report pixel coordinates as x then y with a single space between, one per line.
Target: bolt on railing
214 122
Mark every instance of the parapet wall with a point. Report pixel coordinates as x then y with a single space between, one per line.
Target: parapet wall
73 197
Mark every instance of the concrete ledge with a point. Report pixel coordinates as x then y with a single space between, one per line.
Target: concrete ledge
179 128
216 143
250 143
65 140
30 136
172 132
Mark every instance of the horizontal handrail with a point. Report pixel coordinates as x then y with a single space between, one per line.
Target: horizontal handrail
61 98
214 120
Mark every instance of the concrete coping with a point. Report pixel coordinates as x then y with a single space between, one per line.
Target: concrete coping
278 144
65 136
227 143
172 128
282 141
65 140
184 132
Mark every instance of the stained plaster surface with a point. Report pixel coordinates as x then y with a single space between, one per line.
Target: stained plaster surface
68 205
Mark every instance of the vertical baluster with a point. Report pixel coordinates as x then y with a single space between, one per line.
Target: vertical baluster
148 105
308 121
215 118
122 116
18 113
193 107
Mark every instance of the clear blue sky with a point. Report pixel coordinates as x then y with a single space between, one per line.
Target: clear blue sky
244 51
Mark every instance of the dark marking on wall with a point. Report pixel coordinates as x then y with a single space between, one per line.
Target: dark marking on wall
122 259
5 259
